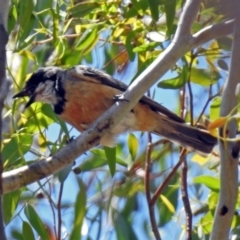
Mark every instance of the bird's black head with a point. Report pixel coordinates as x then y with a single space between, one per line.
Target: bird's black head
41 86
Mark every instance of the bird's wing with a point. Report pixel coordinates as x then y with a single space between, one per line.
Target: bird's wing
98 76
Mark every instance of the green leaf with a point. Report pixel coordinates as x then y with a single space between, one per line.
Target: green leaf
17 235
98 160
10 202
143 4
143 66
64 127
82 9
36 119
25 44
204 77
215 108
171 194
28 54
154 8
93 163
35 221
207 222
136 4
131 12
131 205
47 110
225 43
66 26
88 40
27 231
132 145
123 227
117 31
222 64
212 200
55 26
209 181
167 203
16 148
175 82
146 47
59 49
129 45
25 19
79 210
128 189
172 83
12 17
111 159
201 160
170 7
63 174
101 154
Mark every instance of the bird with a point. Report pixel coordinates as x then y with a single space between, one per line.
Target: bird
80 94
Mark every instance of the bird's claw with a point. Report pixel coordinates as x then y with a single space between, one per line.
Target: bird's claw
72 138
120 97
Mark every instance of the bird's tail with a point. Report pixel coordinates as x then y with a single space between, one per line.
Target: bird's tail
192 138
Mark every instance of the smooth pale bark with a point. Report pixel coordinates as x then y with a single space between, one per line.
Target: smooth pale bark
229 152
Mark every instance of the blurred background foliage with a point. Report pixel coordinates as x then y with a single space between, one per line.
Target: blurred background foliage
102 195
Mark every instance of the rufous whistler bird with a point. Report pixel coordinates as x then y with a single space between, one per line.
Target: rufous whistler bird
79 95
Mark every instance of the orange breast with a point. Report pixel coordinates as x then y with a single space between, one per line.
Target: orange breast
86 101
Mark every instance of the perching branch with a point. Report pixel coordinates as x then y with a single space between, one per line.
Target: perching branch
212 32
182 43
148 191
229 152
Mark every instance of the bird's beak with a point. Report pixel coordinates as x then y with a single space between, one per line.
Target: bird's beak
26 93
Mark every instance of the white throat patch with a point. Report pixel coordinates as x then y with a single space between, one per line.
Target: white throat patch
46 93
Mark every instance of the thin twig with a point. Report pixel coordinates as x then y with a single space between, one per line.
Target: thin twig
59 211
52 206
114 58
69 36
185 199
159 142
190 101
182 102
210 98
148 191
190 88
184 186
51 202
168 178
